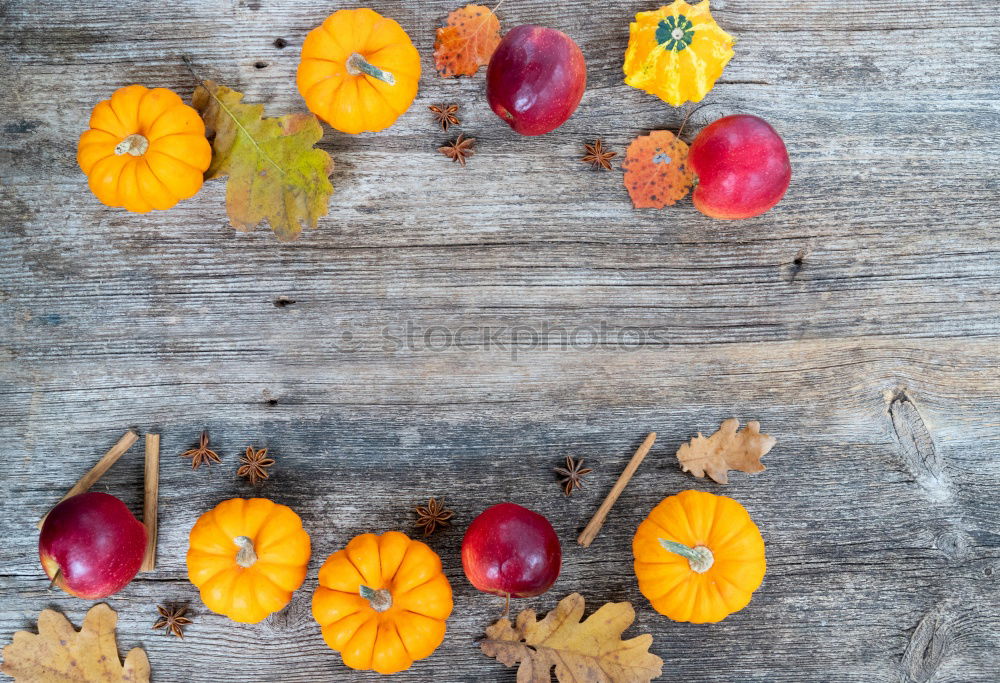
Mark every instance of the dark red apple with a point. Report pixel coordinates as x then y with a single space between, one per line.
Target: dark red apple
511 551
742 167
94 543
535 79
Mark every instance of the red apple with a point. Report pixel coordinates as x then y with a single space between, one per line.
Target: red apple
511 551
742 167
535 79
94 543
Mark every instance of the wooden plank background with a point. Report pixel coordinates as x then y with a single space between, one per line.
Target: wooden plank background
858 321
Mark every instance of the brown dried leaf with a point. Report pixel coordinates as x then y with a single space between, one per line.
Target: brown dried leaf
59 653
589 651
726 450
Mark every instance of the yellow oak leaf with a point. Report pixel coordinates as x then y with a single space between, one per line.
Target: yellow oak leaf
467 41
60 653
275 173
591 650
727 449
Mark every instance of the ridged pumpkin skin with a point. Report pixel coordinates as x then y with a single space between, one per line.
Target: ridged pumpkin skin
248 594
405 571
145 149
676 52
669 580
349 99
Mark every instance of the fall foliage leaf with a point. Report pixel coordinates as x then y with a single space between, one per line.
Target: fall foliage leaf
656 170
589 651
275 173
59 653
726 450
466 41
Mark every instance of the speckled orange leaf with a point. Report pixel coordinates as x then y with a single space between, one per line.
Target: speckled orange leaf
466 41
656 170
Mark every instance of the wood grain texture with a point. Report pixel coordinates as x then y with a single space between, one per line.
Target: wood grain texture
459 332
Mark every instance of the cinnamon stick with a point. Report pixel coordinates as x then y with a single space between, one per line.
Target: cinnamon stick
152 493
102 466
593 527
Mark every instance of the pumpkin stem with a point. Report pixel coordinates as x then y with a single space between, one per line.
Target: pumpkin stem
380 600
357 65
699 557
246 555
135 144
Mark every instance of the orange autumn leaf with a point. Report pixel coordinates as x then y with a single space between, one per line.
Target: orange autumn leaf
466 41
656 170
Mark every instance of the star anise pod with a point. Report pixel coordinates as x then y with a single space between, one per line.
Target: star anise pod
459 149
445 115
433 516
202 454
254 464
172 619
598 156
571 476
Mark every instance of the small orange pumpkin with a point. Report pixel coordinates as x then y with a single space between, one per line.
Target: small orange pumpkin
698 557
145 149
359 71
382 602
248 556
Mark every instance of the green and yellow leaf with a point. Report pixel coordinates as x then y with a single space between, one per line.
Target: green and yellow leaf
275 172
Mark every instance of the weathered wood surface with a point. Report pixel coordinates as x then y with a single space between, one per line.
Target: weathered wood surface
858 322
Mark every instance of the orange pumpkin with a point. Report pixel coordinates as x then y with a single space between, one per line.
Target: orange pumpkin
382 602
248 556
359 71
698 557
145 149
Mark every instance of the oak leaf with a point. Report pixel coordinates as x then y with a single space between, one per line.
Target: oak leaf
466 41
589 651
656 170
275 173
59 653
727 449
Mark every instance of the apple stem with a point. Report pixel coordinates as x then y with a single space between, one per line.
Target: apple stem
356 65
246 556
699 557
690 114
506 606
380 600
55 577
